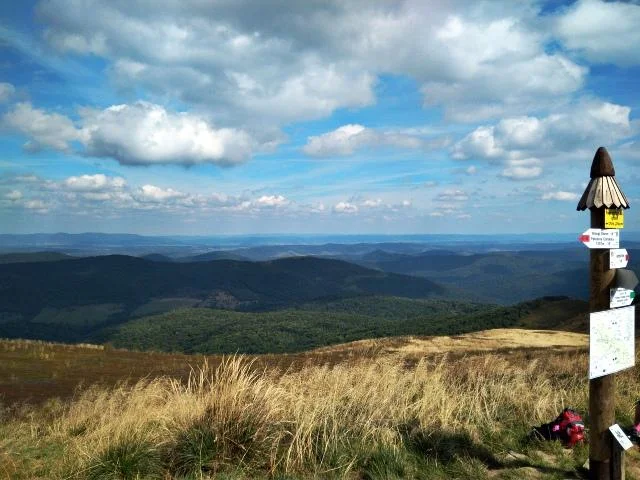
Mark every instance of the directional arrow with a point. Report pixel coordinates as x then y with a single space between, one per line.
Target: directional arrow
598 238
618 258
621 297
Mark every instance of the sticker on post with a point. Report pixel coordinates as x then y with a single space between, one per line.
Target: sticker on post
620 436
598 238
611 341
618 258
613 218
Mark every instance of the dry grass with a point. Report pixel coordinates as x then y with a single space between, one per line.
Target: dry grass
438 416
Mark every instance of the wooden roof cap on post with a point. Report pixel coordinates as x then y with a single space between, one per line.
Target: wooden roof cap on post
603 189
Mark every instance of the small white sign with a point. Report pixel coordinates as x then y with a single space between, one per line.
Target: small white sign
611 341
618 258
598 238
620 436
620 297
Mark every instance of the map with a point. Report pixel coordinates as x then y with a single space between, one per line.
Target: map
611 341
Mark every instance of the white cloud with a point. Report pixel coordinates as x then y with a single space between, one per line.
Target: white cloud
93 183
346 139
479 143
278 62
372 203
345 207
342 141
138 134
13 195
97 196
144 133
272 201
560 195
45 129
523 169
38 205
453 195
587 123
6 91
604 32
151 193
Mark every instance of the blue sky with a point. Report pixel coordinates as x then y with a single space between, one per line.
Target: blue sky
331 117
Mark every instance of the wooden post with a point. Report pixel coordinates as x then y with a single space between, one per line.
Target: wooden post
617 460
601 390
605 461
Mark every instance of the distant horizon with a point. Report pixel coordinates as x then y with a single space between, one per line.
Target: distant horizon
297 234
561 236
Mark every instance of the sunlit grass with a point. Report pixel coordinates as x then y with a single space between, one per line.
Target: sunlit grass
368 414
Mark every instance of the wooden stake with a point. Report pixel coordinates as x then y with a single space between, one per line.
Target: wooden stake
601 390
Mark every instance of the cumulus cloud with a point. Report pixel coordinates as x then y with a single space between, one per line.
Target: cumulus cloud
604 32
37 205
6 91
13 195
346 139
283 61
372 203
151 193
586 124
560 195
272 201
144 133
93 183
345 207
479 143
138 134
523 169
45 129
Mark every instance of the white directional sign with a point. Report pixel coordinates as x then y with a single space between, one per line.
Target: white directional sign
598 238
620 297
620 436
618 258
611 341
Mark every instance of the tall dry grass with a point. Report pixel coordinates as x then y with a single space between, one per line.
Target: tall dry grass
321 421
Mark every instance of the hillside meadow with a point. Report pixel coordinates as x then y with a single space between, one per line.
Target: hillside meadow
408 407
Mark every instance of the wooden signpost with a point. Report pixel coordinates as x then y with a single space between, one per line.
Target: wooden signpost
605 201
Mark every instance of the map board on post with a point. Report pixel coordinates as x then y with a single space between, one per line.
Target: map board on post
611 341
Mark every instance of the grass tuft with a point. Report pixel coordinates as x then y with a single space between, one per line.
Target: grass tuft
127 459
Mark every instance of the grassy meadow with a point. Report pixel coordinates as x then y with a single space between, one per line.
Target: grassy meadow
372 410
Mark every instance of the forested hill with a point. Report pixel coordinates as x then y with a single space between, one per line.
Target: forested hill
126 283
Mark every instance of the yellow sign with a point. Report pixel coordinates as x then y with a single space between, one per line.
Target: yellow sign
613 218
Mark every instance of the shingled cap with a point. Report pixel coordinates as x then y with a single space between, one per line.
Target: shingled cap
603 190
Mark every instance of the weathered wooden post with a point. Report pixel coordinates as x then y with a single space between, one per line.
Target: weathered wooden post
605 201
